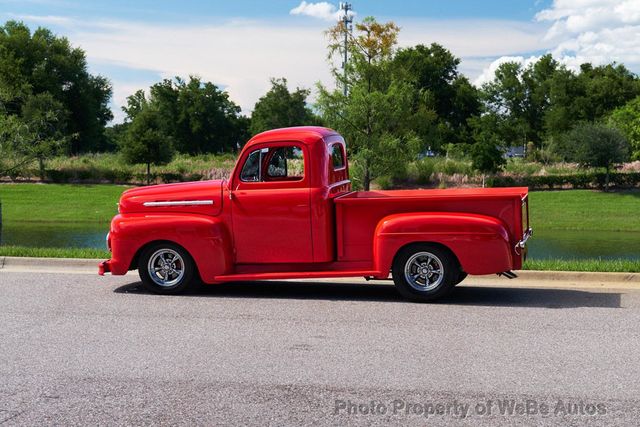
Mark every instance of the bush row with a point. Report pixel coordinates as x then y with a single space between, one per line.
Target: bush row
115 176
578 180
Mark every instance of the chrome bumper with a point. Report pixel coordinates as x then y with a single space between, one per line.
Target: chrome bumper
523 242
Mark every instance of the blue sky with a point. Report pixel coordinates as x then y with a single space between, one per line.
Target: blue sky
240 44
201 10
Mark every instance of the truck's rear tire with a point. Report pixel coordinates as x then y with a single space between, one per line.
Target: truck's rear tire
166 268
424 272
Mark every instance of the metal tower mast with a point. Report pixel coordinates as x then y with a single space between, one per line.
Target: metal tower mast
347 19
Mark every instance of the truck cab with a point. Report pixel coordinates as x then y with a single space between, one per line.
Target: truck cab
287 211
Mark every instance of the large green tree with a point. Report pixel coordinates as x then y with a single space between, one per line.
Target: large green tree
40 63
281 108
197 115
375 113
444 100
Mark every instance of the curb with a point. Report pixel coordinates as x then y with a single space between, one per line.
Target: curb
83 265
40 264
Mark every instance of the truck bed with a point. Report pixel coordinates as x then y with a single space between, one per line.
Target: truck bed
359 212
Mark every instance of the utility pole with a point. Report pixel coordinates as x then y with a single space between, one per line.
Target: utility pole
347 19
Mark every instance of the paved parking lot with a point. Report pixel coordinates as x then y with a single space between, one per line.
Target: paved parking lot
83 349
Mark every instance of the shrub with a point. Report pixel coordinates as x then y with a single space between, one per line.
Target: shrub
384 182
424 170
580 180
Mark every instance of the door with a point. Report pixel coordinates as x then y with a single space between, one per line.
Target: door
271 212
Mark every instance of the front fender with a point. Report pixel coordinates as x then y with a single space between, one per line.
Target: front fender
206 238
481 243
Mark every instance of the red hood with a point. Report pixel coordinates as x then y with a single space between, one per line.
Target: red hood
200 197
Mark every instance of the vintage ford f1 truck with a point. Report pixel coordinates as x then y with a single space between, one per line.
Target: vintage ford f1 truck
288 211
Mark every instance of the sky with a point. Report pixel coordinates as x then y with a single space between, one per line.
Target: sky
240 44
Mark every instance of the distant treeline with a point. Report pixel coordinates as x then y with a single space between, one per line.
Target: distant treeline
400 102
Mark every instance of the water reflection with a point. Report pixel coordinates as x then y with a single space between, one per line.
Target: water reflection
543 244
54 235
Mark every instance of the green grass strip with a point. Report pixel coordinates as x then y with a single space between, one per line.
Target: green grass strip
23 251
592 265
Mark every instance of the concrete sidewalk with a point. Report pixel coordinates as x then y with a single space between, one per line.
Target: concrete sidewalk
526 279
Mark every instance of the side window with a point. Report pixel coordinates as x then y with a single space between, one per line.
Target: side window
285 164
337 156
274 164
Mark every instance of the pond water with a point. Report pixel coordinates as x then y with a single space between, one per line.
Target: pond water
543 244
54 235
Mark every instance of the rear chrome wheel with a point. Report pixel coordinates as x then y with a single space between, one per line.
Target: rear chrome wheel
166 268
425 272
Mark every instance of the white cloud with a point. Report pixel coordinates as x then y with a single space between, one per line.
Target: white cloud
596 31
476 37
46 19
320 10
489 72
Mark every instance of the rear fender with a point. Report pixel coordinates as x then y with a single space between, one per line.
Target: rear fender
480 243
206 238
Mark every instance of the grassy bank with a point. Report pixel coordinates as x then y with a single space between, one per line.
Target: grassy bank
591 265
59 202
585 210
111 168
23 251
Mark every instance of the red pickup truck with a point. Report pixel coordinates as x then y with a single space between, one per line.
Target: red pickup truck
288 211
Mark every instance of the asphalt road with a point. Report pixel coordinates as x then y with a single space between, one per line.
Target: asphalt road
83 349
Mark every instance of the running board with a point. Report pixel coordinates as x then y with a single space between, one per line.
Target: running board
294 275
508 274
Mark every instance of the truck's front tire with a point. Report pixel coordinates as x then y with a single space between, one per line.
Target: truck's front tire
166 268
424 272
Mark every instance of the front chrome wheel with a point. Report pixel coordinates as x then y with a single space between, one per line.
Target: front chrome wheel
167 268
423 271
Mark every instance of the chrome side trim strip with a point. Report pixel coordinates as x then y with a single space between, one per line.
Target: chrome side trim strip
179 203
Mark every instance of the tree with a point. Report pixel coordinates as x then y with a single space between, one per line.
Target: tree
35 135
38 63
280 108
197 115
444 100
506 99
42 116
486 156
627 120
374 115
146 142
544 100
595 145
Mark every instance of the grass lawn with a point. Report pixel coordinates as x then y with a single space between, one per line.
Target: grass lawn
59 202
587 210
